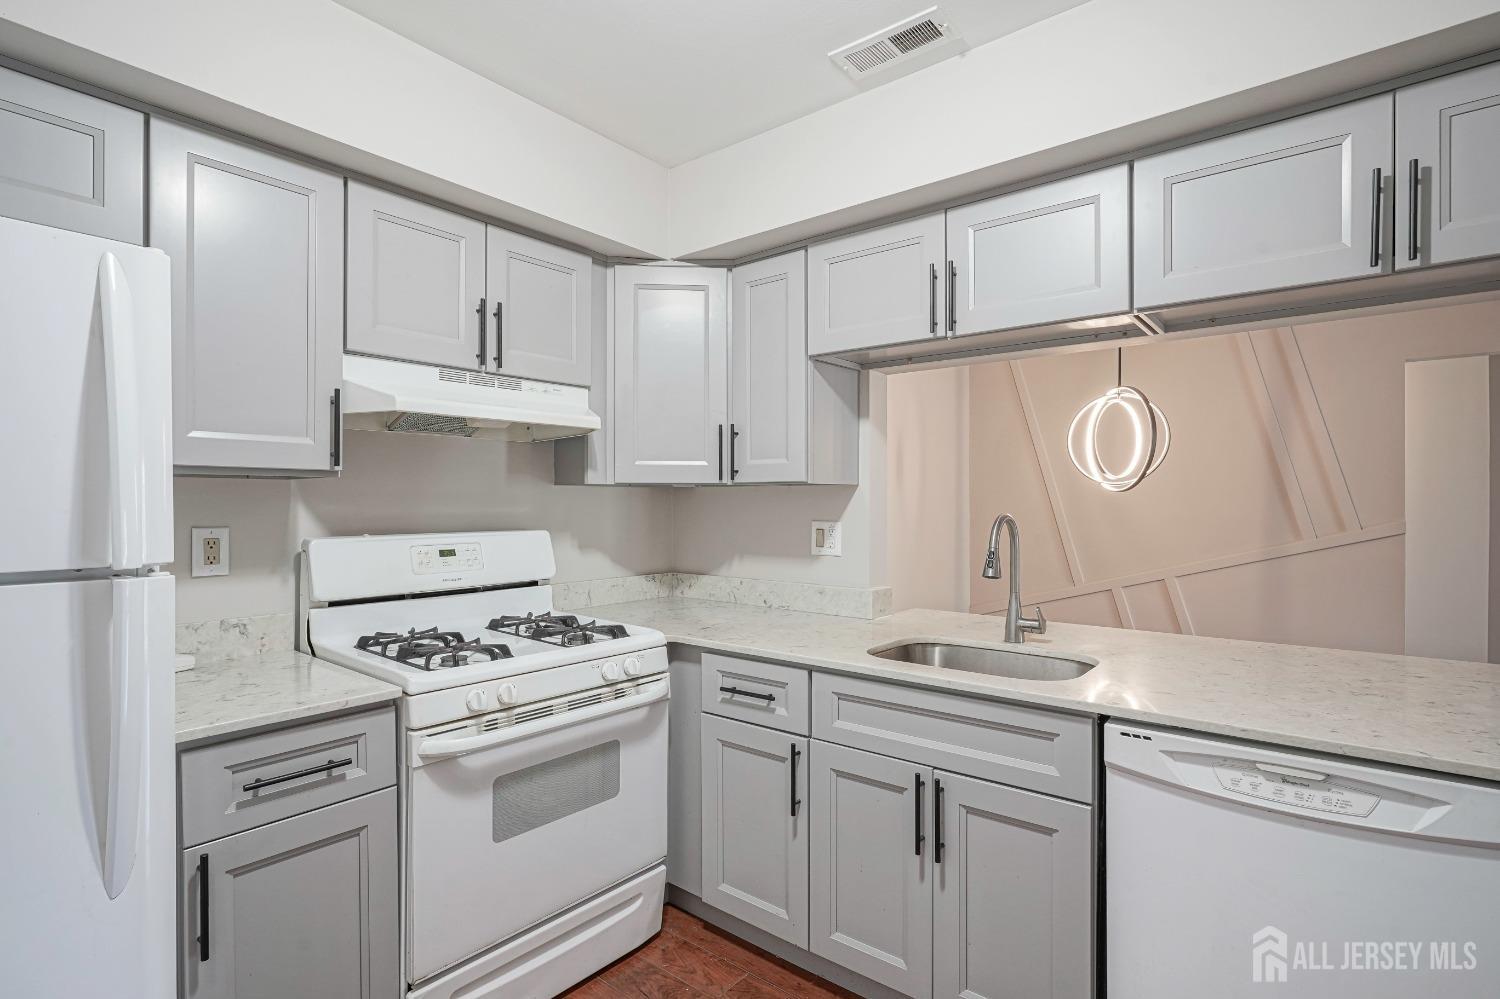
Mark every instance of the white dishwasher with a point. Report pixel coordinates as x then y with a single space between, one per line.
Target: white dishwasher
1237 870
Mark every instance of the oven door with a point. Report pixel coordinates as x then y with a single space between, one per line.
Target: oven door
508 827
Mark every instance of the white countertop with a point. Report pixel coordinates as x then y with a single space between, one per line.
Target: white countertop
1435 714
236 695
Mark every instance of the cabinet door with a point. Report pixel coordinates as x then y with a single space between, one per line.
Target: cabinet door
1013 900
256 243
1447 162
768 371
416 281
877 288
1297 202
755 826
871 889
1052 253
671 375
540 301
71 161
301 907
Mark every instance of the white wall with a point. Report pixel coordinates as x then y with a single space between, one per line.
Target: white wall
927 471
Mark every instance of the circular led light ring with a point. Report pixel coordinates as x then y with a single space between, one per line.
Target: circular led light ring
1152 438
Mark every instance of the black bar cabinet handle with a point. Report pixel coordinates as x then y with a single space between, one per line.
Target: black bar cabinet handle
720 476
202 907
336 429
1413 182
952 296
326 768
920 837
932 298
937 821
499 334
734 471
1376 192
480 313
796 801
768 698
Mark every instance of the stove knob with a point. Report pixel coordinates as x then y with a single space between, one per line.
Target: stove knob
477 700
506 693
632 665
611 672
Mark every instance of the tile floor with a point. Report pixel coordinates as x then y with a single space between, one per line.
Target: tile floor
689 959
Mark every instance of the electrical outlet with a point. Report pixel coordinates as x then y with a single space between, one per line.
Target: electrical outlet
210 547
827 538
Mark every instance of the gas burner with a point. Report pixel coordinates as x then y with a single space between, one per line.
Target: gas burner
430 649
557 629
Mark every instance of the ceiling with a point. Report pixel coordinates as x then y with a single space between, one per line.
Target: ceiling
675 79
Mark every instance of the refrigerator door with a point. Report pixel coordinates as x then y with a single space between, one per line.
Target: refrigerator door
86 774
85 397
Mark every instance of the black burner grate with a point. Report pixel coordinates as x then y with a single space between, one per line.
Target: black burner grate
430 649
565 630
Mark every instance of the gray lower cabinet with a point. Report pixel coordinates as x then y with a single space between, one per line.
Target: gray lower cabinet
416 281
70 160
540 300
1047 254
256 242
1298 202
685 771
878 287
755 826
1447 162
302 907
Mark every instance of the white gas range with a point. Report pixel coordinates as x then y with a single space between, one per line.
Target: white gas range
534 747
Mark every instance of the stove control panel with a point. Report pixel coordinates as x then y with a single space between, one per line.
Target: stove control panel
1311 791
458 556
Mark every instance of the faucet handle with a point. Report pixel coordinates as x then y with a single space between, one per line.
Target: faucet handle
1040 624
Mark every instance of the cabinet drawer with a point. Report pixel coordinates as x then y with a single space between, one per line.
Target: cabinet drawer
234 786
1023 747
761 693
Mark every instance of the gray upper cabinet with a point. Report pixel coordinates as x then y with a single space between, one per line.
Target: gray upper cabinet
1013 901
256 243
769 368
71 161
1044 255
1297 202
877 287
302 907
540 302
671 374
755 826
1448 168
416 281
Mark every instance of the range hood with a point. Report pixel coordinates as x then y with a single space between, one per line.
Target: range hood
418 398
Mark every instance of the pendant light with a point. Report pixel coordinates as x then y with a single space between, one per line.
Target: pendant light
1151 435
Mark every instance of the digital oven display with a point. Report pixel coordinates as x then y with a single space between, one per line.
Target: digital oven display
447 552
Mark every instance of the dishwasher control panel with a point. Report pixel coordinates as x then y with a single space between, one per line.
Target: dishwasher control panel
1317 795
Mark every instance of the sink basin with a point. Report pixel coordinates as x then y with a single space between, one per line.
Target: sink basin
995 662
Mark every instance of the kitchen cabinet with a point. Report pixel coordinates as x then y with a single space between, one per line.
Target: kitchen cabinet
416 283
871 894
1447 162
769 370
256 243
877 287
671 380
540 297
301 907
685 771
70 160
1297 202
1047 254
755 826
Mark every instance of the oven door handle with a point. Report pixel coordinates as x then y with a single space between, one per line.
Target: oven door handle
442 748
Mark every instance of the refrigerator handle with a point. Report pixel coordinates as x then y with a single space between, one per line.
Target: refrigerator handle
127 718
122 397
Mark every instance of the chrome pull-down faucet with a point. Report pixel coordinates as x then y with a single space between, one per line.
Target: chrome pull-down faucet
1016 626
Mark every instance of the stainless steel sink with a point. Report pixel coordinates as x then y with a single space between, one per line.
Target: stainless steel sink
995 662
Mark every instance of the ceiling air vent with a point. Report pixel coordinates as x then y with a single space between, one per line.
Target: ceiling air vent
905 39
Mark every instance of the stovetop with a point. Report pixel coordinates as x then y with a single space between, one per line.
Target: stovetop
566 630
431 649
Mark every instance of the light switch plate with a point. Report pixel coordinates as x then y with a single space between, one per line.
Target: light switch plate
827 538
210 548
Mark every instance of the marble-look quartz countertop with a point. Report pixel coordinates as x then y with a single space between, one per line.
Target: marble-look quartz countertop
1435 714
216 699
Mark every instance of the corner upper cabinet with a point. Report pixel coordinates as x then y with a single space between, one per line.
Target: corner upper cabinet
876 288
1447 165
768 371
256 243
539 300
1047 254
1298 202
416 281
70 160
671 374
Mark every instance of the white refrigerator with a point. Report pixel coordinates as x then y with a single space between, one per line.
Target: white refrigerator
87 803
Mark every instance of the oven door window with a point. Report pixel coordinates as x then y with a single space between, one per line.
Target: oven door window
548 792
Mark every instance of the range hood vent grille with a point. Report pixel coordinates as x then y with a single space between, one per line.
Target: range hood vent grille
903 40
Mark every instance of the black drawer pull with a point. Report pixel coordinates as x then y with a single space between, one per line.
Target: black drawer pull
796 801
937 821
768 698
202 907
920 838
326 768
